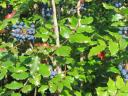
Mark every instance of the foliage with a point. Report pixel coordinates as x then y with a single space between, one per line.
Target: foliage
39 67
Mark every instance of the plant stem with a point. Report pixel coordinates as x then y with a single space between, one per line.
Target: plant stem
79 24
78 13
56 29
35 92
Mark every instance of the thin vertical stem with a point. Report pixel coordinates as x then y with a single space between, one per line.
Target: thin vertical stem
78 12
56 29
79 24
35 92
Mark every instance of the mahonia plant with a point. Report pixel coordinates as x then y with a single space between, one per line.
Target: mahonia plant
63 47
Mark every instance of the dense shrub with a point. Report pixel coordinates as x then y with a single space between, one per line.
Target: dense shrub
63 47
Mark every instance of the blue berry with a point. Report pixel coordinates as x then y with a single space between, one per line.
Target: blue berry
121 28
30 37
126 76
53 73
46 11
17 35
121 32
125 28
118 4
20 26
120 67
32 26
17 30
14 26
21 23
21 35
124 72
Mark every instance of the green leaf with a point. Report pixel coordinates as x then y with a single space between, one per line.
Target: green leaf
45 37
73 21
60 86
114 70
113 48
117 17
79 38
85 28
44 70
66 93
19 69
3 72
20 76
35 80
8 63
26 88
15 94
111 86
87 20
35 64
53 87
44 1
63 51
65 32
102 43
118 23
123 44
119 82
3 4
74 73
122 94
42 33
96 50
107 6
124 11
125 88
43 88
14 85
88 0
77 93
101 91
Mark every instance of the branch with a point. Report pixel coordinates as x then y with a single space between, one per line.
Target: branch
56 29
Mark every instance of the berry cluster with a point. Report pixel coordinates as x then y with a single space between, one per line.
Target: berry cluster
46 11
124 32
124 71
118 4
22 33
